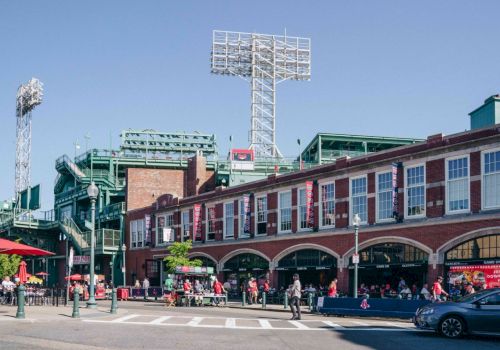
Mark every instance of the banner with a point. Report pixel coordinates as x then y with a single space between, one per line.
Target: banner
197 221
476 274
246 212
395 204
147 228
309 204
81 260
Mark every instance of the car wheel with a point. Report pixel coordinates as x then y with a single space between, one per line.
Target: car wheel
452 327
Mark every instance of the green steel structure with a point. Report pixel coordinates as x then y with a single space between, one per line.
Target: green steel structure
326 148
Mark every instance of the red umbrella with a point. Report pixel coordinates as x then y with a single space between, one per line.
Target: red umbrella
41 273
9 247
22 272
27 275
75 277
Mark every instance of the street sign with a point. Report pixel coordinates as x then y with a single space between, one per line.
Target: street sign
88 225
355 259
81 259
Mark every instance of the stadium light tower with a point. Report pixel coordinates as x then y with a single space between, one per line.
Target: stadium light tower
266 60
28 97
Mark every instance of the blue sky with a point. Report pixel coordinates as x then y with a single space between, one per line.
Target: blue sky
389 68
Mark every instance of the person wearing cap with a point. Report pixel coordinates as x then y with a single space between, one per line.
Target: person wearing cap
437 290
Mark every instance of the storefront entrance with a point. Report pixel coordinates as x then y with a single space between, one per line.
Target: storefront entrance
313 266
386 263
475 261
240 268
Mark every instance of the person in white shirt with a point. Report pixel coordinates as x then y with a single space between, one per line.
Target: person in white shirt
405 292
424 292
8 289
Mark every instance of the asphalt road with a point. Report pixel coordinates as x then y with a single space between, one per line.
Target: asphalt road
152 326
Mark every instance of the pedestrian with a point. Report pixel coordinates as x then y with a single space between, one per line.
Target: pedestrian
254 290
294 293
145 285
332 289
424 292
218 290
437 290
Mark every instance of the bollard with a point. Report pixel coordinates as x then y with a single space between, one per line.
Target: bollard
243 298
20 301
285 301
76 303
113 301
309 301
264 295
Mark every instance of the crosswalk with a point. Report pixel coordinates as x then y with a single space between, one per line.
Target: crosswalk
317 324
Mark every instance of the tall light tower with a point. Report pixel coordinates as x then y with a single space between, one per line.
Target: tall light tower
28 97
267 60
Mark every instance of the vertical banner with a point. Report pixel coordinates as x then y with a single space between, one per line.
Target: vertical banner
147 228
197 221
395 204
246 211
309 204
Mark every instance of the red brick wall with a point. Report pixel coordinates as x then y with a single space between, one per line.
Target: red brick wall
435 194
295 199
145 185
272 216
475 185
342 208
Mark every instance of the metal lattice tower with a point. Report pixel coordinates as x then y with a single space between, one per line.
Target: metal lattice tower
267 60
28 97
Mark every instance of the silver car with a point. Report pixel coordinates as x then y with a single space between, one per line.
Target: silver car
475 313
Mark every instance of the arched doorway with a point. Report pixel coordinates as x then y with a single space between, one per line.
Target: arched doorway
474 261
314 267
386 263
238 269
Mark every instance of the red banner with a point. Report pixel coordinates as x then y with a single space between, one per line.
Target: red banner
246 211
197 221
309 204
476 274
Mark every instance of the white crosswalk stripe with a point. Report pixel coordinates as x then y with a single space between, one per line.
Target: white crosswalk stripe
230 323
299 325
360 323
159 320
195 321
333 325
265 324
125 318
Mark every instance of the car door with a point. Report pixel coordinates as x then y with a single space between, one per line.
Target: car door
489 309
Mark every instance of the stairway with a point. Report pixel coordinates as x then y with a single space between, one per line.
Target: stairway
79 238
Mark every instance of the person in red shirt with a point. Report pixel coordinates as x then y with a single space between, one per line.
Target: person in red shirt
218 290
266 286
187 290
332 289
437 290
254 290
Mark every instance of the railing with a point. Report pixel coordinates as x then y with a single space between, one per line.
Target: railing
68 193
112 211
73 229
105 238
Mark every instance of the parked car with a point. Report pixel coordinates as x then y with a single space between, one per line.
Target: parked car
475 313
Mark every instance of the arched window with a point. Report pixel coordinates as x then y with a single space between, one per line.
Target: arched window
392 253
485 247
246 261
308 258
205 261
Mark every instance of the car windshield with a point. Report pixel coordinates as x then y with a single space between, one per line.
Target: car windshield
473 297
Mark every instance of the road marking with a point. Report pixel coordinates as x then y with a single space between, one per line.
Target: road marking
360 323
230 323
159 320
333 325
125 318
265 324
299 325
393 324
195 321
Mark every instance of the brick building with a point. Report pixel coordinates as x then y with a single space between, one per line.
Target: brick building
424 208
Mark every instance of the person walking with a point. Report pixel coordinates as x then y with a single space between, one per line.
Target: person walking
145 286
437 290
295 294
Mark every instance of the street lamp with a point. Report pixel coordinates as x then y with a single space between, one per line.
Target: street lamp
300 155
93 192
111 263
124 248
356 220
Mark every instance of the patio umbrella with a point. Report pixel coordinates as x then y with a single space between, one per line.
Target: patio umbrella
41 273
9 247
27 275
75 277
22 272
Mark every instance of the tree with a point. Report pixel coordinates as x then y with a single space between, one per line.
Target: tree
9 264
179 256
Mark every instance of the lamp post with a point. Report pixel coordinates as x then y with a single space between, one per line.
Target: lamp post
93 192
124 248
356 220
300 155
111 267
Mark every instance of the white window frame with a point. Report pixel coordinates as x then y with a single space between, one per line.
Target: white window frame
279 212
351 206
422 215
183 228
257 215
467 181
225 220
137 243
377 204
483 182
320 199
207 225
299 228
241 220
